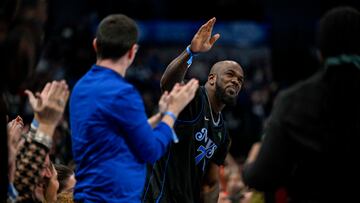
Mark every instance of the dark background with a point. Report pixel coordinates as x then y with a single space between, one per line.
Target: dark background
274 41
292 23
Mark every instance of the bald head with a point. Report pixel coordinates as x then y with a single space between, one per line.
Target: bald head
221 66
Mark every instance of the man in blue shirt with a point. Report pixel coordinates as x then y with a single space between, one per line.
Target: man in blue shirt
111 135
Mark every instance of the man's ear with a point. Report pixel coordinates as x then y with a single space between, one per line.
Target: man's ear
132 52
212 79
94 45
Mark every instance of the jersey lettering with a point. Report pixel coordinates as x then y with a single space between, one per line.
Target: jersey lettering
204 151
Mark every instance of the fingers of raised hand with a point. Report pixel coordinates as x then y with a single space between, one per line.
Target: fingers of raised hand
15 128
202 40
211 23
54 90
65 91
10 125
45 90
214 39
34 101
58 93
19 119
208 26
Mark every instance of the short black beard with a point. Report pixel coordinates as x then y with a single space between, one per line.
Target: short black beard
223 97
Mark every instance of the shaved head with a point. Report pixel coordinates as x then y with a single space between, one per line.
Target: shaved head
222 65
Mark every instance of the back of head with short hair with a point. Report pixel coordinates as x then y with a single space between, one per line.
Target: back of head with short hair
64 174
339 32
115 35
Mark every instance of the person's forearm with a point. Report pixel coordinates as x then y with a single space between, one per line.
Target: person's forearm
175 71
211 184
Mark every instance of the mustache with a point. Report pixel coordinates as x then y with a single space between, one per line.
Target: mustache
226 99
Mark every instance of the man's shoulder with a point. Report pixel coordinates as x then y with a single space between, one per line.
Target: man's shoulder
105 91
191 113
304 98
99 82
303 89
200 92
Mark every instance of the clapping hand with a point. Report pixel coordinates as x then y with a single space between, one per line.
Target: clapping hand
181 95
49 105
14 130
164 102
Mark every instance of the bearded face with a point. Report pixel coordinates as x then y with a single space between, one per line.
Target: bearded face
227 96
228 77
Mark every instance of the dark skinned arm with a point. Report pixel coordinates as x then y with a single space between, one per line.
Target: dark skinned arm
201 42
211 185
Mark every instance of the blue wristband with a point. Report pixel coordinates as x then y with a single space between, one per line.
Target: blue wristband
171 114
35 124
191 54
174 136
12 192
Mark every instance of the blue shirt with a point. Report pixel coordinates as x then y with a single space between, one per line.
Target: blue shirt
111 138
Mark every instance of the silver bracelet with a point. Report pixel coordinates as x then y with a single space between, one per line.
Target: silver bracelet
43 138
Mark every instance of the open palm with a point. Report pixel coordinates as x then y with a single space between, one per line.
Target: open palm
203 41
49 105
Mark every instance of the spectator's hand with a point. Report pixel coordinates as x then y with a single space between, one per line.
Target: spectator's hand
49 105
180 96
14 129
203 41
164 102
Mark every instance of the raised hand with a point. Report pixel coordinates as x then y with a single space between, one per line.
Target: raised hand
14 129
203 41
49 105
